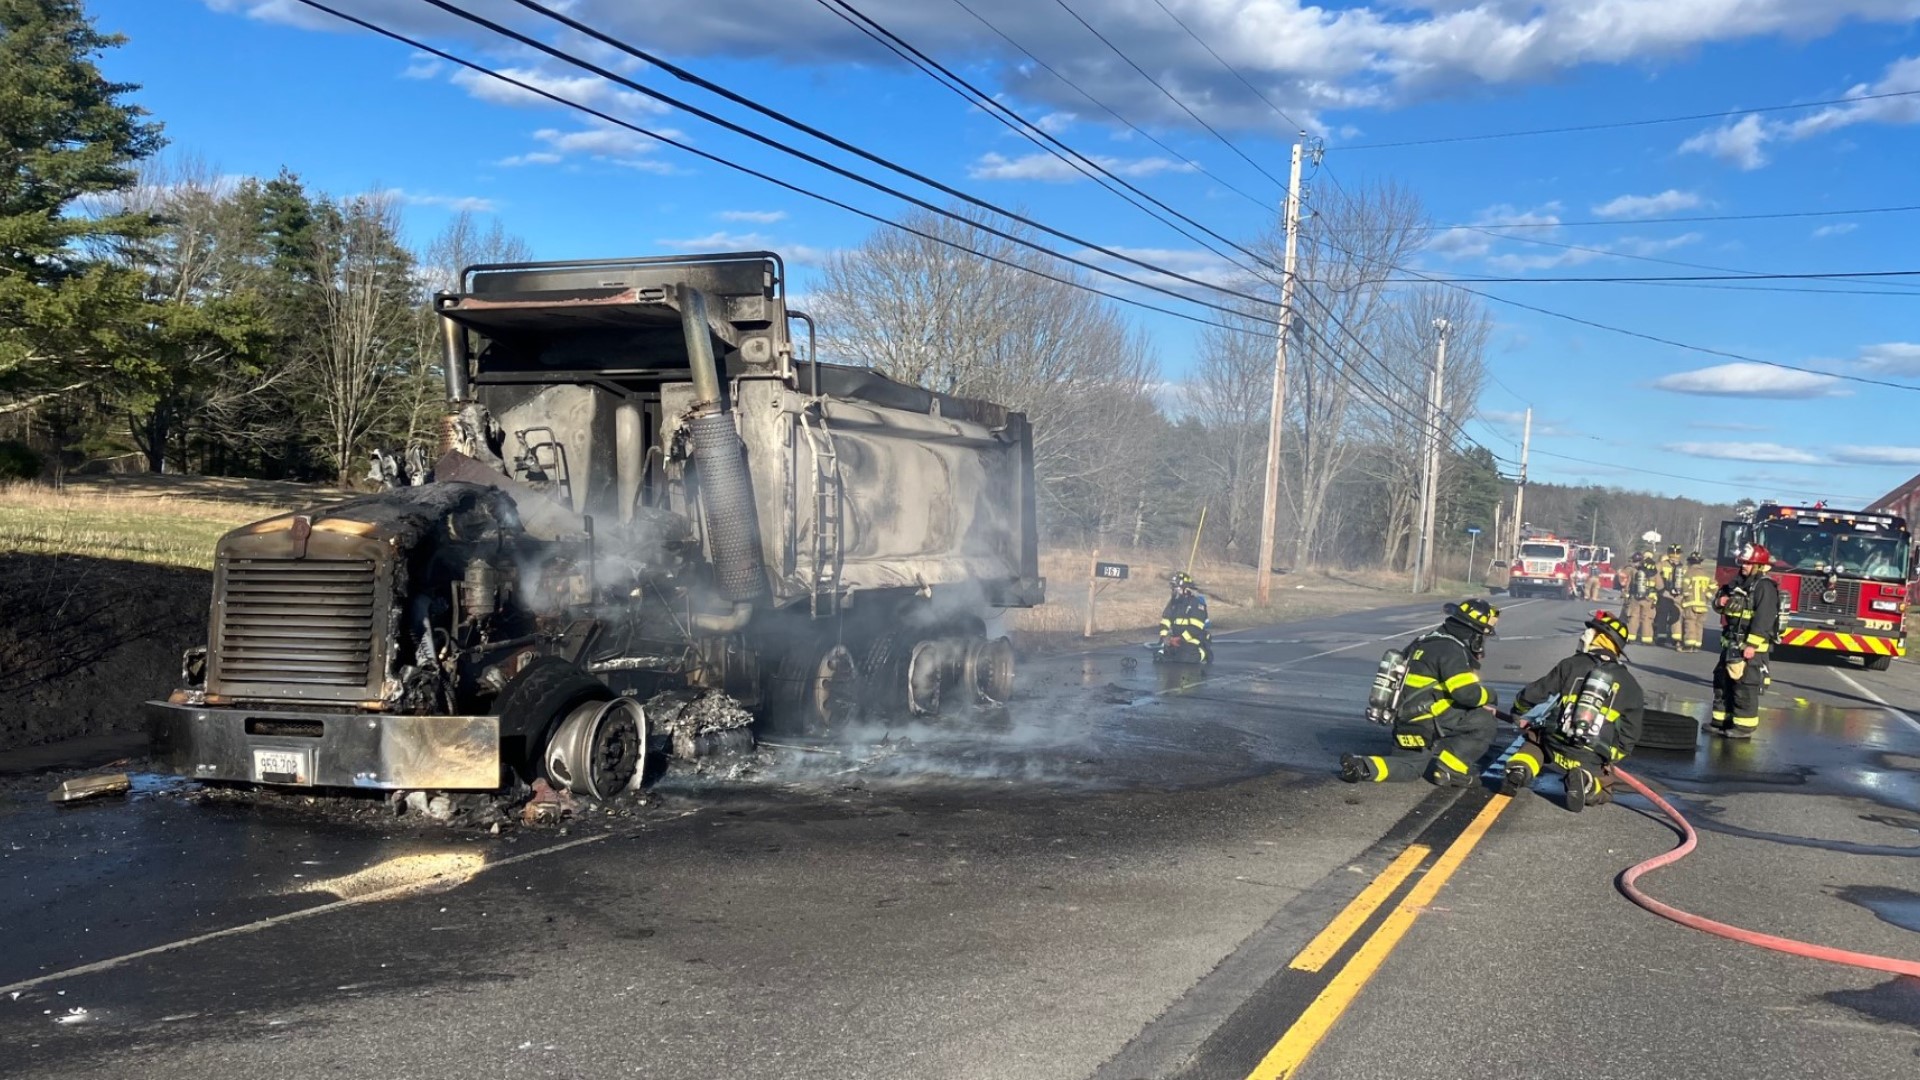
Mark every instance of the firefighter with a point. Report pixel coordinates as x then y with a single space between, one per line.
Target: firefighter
1642 596
1696 598
1185 618
1445 714
1592 589
1593 722
1749 607
1667 617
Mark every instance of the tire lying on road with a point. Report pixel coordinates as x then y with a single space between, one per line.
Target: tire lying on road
1662 730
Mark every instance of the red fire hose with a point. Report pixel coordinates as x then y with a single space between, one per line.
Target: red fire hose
1628 885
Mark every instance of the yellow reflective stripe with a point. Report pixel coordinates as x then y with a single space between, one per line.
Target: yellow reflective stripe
1417 681
1462 680
1524 758
1616 752
1379 768
1452 761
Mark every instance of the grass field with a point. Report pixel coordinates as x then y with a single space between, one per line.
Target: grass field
130 528
1134 604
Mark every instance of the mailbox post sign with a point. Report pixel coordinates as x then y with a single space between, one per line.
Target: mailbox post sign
1103 572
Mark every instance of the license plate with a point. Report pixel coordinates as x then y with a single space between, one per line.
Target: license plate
281 767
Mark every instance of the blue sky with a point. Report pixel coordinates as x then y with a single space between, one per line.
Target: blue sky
253 85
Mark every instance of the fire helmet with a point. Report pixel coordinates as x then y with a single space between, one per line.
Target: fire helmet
1475 615
1608 630
1694 558
1756 555
1182 580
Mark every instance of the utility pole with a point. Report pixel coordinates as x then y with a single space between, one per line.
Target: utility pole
1270 506
1520 495
1423 570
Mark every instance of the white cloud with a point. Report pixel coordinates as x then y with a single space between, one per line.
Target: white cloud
1307 57
1057 170
583 89
422 66
1751 380
1891 358
1841 229
1877 455
601 142
456 203
721 240
1643 246
1638 206
1725 425
1772 453
758 217
1055 123
1741 143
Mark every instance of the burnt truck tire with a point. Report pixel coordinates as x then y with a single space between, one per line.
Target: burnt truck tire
815 690
533 705
1661 730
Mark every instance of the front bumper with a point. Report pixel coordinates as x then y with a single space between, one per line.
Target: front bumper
310 749
1807 637
1539 582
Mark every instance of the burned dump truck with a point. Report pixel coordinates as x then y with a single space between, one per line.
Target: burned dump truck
639 489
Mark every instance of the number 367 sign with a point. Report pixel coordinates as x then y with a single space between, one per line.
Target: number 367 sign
1110 571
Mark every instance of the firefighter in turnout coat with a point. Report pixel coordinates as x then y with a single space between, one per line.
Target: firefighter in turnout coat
1445 718
1185 619
1593 722
1642 596
1749 607
1696 599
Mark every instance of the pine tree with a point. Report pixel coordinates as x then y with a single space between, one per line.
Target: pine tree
66 134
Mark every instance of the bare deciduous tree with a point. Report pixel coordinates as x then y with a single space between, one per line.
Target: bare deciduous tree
366 312
923 312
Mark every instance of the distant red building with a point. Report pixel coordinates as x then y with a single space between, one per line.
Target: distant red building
1903 501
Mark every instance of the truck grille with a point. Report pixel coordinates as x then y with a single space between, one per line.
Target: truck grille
305 621
1847 602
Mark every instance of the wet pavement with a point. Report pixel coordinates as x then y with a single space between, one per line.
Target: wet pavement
1105 874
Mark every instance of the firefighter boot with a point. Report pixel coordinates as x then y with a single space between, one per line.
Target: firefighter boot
1356 768
1581 787
1519 778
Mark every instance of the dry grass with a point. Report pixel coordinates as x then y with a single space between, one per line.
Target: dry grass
164 531
1134 604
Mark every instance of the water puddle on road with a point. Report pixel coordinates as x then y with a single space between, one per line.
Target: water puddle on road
1848 751
1895 906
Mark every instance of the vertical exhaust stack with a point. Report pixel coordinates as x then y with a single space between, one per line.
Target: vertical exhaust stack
726 489
453 339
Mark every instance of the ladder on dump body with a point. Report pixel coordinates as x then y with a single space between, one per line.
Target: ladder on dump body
828 505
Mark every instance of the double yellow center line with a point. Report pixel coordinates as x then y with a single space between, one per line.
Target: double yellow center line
1299 1041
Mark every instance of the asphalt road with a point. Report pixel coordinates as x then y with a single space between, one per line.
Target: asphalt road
1113 881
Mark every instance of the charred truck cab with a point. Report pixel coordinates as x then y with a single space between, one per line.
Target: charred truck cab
638 488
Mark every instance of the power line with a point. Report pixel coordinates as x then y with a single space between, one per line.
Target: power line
1033 132
1104 107
1642 335
1850 275
1677 476
1385 400
687 76
1686 219
1231 70
1229 143
728 163
1612 253
1573 128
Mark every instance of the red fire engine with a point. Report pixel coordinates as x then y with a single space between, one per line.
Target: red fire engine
1843 576
1544 566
